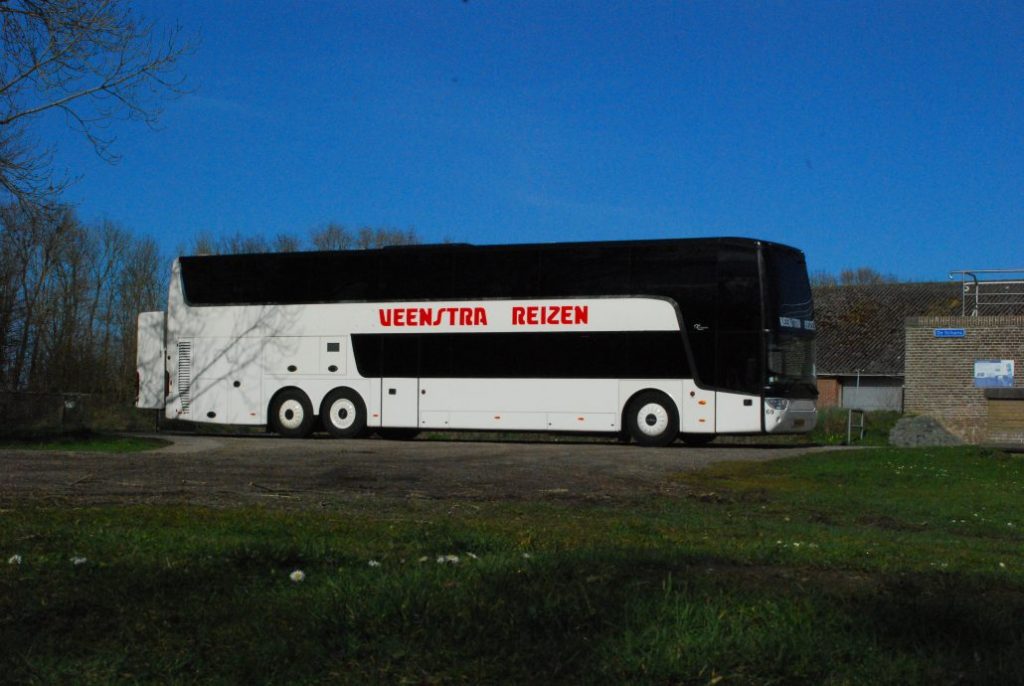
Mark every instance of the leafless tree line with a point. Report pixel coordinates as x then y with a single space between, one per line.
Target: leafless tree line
69 296
860 276
70 293
332 236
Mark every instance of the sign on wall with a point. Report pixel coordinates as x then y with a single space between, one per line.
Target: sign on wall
993 373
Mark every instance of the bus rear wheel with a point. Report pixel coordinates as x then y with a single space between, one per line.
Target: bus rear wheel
291 414
343 413
651 419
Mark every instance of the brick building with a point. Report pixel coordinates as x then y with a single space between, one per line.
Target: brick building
942 375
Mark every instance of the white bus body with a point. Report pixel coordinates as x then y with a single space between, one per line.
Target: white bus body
293 366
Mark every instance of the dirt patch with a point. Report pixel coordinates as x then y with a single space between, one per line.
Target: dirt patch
228 470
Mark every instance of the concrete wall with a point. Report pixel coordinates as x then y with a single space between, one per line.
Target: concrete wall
872 393
940 372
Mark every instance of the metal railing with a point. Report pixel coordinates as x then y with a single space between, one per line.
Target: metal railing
989 290
850 425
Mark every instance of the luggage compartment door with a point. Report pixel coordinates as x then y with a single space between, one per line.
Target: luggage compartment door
400 402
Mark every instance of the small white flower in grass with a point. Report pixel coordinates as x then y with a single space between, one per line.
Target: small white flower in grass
527 556
78 561
448 559
424 559
1002 565
297 576
472 556
14 560
373 563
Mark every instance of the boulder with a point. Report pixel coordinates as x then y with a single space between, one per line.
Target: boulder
918 432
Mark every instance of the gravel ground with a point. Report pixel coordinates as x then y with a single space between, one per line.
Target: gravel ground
233 470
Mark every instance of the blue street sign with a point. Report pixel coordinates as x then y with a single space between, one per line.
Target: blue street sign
950 333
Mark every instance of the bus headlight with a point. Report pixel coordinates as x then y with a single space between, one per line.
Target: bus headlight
780 404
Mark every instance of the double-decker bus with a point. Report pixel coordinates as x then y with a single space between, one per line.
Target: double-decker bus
652 340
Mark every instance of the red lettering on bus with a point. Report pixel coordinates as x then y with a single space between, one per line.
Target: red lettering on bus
550 314
428 316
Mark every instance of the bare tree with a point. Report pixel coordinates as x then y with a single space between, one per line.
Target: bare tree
370 237
239 244
331 237
205 243
94 61
286 242
31 245
140 287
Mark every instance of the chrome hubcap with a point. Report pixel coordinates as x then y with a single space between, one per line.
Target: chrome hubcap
291 414
652 419
343 413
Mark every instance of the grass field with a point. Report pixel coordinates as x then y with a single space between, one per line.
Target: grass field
880 566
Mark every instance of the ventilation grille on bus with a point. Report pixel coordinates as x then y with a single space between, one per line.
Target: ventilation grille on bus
185 375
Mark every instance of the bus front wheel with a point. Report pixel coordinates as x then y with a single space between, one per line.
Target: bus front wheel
291 414
652 419
343 413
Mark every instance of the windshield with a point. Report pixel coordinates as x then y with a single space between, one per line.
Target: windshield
791 349
791 372
789 290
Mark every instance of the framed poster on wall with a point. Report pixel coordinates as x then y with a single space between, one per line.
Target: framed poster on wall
993 373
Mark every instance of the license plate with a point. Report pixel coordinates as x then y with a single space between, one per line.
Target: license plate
798 422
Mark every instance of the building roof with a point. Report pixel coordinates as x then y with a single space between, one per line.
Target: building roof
860 328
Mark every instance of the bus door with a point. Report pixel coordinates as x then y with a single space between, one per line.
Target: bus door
400 398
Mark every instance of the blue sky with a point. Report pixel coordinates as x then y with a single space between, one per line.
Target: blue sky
888 134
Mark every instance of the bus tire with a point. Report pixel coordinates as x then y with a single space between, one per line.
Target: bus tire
343 413
651 419
396 434
697 440
291 414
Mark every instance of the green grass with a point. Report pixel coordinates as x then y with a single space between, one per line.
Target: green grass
877 566
93 443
